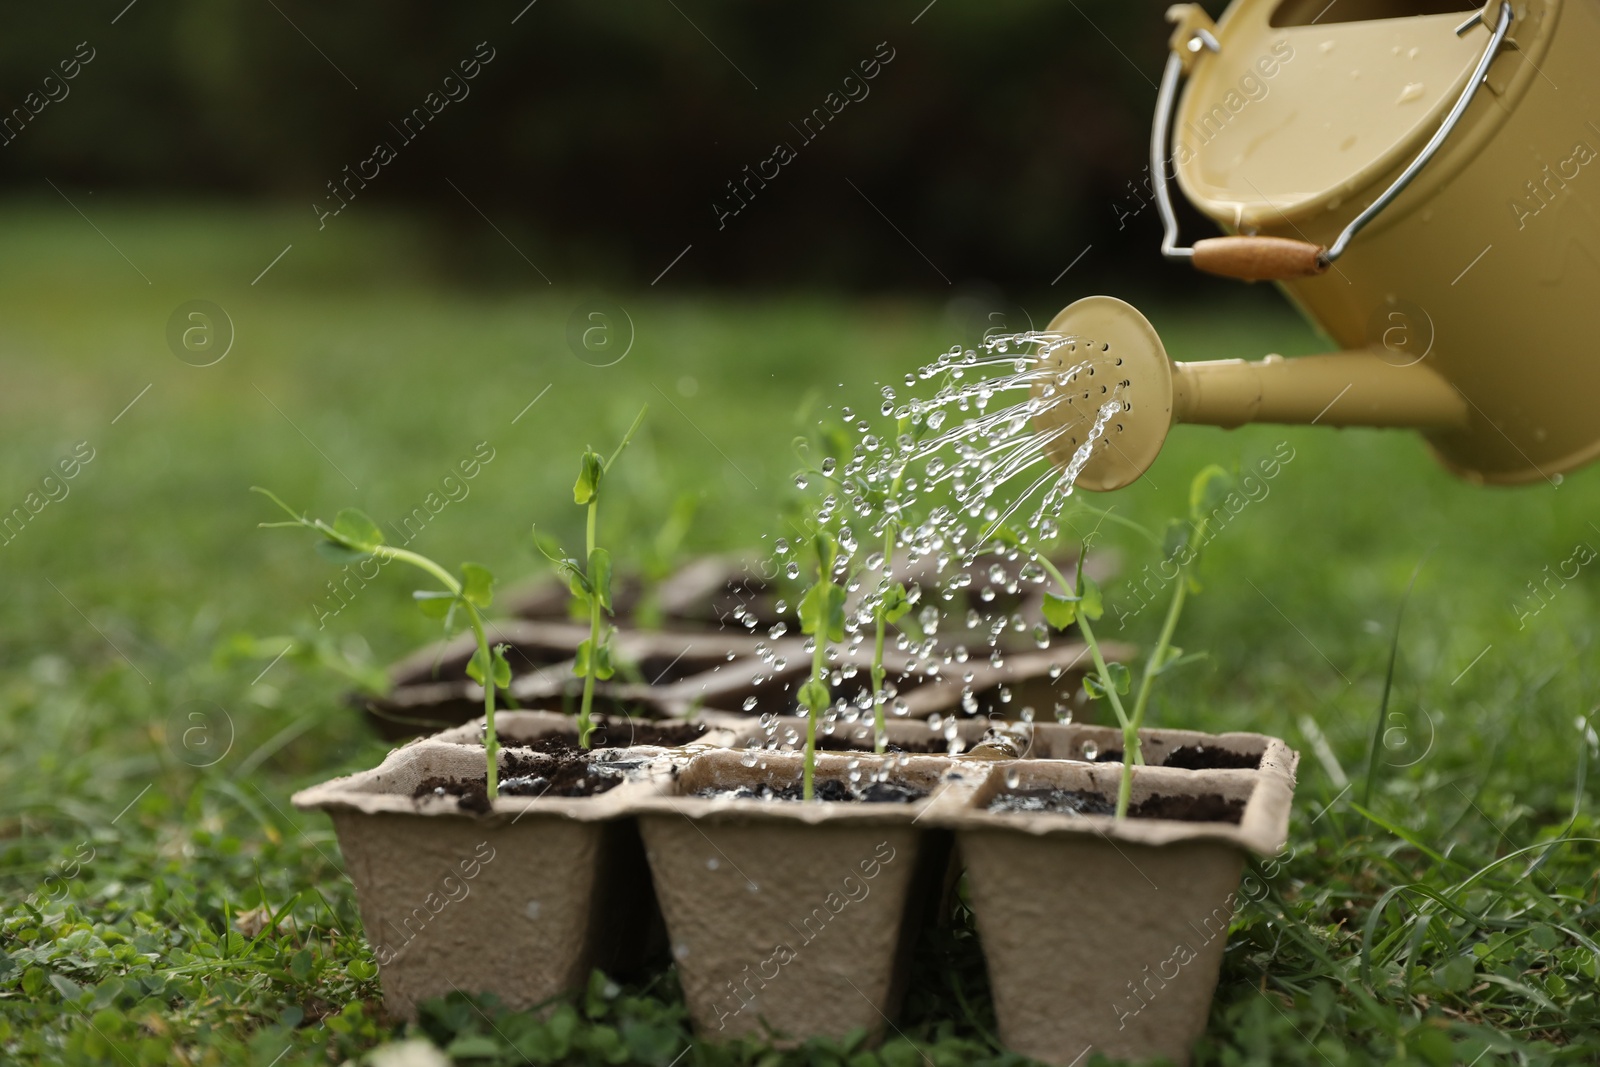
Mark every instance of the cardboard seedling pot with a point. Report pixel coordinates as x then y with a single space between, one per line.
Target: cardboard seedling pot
1025 685
788 918
662 673
520 902
729 593
516 729
1101 934
709 656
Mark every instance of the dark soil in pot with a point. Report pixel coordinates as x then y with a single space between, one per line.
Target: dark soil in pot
1196 758
571 775
616 735
1206 807
835 743
830 790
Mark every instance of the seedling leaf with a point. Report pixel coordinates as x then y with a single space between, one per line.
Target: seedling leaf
825 548
1060 612
477 585
1121 678
357 529
1089 599
600 662
589 473
822 611
502 669
814 694
476 668
896 603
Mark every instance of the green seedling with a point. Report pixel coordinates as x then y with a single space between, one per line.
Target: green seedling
354 538
891 601
1080 601
822 618
591 583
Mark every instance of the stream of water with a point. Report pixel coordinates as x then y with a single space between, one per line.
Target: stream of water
970 450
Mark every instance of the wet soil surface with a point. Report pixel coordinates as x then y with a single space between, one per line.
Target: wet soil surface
834 791
520 776
1203 808
834 743
615 735
1195 758
1205 757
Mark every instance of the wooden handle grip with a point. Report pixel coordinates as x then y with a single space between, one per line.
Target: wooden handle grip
1254 259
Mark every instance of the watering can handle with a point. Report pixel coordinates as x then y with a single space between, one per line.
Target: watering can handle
1253 258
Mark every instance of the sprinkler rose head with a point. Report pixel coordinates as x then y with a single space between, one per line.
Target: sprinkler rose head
1127 366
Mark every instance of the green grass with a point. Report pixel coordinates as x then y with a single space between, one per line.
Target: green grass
1441 910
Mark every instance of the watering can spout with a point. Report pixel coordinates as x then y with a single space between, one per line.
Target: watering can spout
1359 388
1106 368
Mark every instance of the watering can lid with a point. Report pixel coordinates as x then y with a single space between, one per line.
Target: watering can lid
1294 119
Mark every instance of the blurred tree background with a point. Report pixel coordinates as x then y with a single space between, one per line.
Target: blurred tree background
1001 141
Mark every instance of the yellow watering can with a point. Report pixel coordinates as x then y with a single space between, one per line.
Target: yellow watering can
1422 178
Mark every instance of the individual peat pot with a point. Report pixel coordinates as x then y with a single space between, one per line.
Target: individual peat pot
555 733
787 733
791 919
659 674
1104 934
521 901
1186 749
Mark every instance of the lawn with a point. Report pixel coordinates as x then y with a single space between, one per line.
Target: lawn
1436 904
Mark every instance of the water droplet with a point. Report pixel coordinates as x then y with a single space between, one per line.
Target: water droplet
792 570
800 481
1013 778
1091 751
750 703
